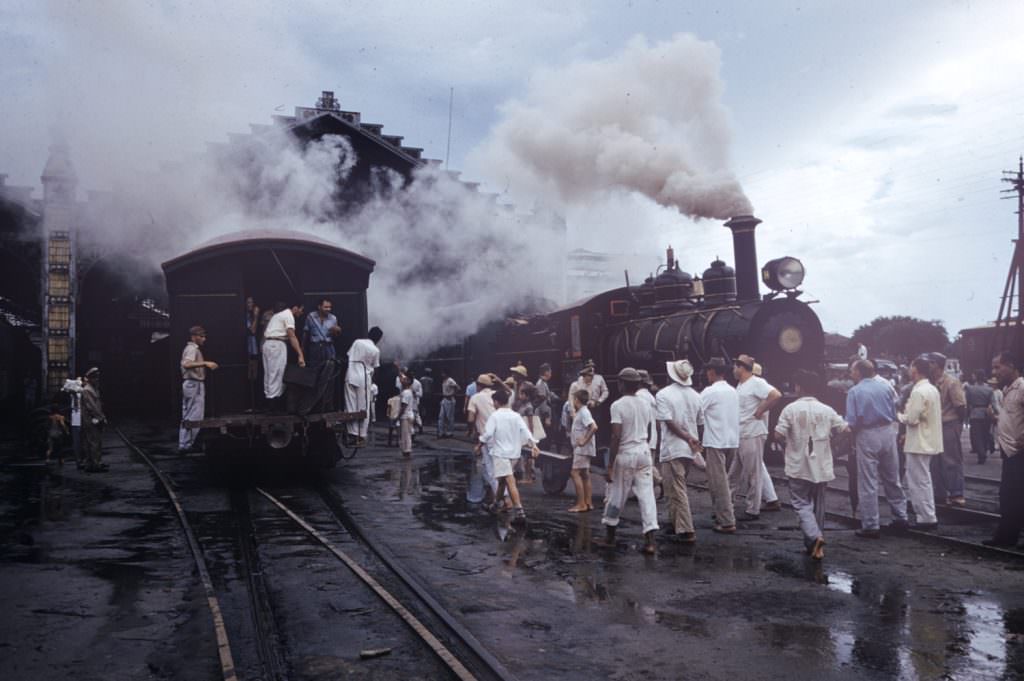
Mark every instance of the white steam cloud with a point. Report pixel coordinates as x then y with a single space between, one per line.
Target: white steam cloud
648 119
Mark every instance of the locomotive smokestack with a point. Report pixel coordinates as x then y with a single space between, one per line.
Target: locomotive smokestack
744 247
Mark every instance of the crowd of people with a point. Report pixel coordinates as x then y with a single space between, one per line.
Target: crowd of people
902 443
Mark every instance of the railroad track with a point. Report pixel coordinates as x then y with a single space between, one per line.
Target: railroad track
326 522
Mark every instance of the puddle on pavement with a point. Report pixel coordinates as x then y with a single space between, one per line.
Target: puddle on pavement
884 628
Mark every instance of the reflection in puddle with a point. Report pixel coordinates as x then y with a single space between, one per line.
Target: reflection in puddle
865 624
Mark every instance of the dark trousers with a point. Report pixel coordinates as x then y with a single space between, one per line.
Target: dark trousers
853 478
1011 500
93 445
981 437
948 467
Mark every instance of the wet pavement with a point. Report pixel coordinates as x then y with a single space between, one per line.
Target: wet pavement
750 606
97 583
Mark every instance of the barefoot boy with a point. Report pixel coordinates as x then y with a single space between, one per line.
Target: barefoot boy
583 451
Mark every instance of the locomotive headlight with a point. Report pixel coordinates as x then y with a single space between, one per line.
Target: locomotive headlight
783 274
791 340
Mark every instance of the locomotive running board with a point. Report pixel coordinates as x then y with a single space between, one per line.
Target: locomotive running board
330 419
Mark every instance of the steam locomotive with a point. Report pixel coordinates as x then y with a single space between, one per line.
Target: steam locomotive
672 315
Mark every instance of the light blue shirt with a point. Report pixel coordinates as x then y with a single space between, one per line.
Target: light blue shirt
870 403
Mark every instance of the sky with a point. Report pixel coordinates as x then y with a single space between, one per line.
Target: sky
869 137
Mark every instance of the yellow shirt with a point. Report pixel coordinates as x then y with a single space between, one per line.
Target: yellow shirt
923 416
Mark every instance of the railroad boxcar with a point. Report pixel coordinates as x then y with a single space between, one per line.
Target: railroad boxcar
208 286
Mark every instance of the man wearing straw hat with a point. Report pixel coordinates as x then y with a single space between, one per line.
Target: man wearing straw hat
679 413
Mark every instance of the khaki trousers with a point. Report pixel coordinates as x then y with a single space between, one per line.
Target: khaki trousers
718 485
919 486
679 515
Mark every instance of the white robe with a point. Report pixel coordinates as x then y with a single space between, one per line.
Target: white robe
363 358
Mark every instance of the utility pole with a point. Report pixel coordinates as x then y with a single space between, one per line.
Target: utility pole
1010 322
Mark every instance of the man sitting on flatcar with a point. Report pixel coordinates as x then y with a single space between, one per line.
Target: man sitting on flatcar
279 334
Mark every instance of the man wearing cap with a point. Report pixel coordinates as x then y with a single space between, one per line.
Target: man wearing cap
1010 440
948 467
593 383
679 414
721 408
871 414
363 360
479 409
193 387
756 397
93 420
629 461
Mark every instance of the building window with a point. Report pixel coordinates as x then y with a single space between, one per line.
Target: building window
60 284
58 349
60 251
59 317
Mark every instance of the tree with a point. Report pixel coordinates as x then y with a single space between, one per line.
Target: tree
902 338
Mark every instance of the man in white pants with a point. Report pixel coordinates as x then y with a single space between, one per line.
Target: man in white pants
629 461
279 333
923 417
363 358
756 397
193 387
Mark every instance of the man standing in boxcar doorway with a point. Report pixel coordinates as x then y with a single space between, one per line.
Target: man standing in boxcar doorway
279 333
363 358
319 333
193 387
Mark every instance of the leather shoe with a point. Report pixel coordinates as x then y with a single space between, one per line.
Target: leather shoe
771 506
868 534
924 527
727 529
750 516
898 525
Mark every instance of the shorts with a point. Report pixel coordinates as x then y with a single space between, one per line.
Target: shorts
500 466
581 461
405 435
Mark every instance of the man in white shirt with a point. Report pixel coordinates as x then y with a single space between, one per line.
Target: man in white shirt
923 417
806 426
406 417
593 383
363 359
756 397
629 464
679 414
505 435
280 333
721 408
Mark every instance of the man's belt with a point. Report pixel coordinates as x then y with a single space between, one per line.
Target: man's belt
880 424
280 340
197 380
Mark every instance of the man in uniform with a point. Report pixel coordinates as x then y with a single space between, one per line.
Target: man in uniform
280 332
948 467
93 420
756 397
193 387
1010 440
363 358
593 383
319 333
979 397
679 415
629 461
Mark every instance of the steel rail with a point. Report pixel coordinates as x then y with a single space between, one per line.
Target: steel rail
227 662
432 641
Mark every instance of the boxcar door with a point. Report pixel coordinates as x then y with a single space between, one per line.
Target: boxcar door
223 317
